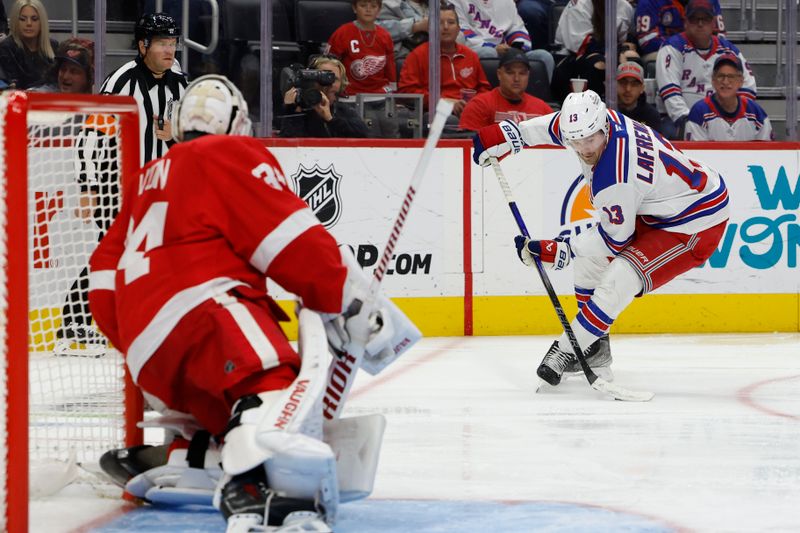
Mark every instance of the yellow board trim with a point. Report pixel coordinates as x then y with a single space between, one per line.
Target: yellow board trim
534 315
655 313
435 317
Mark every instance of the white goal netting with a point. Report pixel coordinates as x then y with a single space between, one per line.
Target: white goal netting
76 401
76 381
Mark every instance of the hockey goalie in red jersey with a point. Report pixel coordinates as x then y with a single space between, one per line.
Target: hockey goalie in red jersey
178 284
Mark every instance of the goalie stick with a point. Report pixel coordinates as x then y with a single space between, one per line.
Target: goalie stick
597 383
342 372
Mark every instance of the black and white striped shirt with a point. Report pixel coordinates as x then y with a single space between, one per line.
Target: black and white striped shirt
155 96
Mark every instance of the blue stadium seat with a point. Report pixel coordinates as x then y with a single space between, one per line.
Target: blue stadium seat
241 19
316 20
650 69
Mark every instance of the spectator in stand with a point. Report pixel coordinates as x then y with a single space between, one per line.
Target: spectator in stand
407 23
630 98
28 52
536 16
73 71
685 63
366 50
507 101
460 67
726 115
329 118
658 20
491 28
581 32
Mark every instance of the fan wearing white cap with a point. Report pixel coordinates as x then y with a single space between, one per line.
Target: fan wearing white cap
659 214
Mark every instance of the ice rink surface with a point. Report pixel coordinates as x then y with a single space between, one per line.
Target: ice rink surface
469 446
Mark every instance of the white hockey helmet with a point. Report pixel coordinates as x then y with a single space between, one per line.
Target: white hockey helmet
211 104
582 115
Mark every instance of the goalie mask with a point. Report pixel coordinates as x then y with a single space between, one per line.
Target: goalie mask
213 105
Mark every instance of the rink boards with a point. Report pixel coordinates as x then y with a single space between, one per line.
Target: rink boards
455 270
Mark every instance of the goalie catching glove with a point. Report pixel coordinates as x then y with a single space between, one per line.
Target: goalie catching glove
389 333
554 254
496 140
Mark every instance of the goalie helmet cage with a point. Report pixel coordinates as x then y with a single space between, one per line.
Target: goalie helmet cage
69 401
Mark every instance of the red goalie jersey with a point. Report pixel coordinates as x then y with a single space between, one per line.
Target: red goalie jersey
213 216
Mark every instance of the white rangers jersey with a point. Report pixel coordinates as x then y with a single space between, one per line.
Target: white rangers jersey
683 73
575 24
709 122
491 22
640 175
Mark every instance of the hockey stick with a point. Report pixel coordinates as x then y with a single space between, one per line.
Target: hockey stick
342 372
597 383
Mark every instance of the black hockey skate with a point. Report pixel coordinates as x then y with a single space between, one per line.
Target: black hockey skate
554 363
248 501
123 464
598 357
79 340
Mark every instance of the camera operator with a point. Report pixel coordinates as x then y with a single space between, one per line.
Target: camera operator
306 116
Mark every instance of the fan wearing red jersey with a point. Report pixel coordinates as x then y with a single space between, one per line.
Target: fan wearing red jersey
178 284
366 50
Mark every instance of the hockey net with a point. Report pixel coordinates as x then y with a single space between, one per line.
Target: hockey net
66 398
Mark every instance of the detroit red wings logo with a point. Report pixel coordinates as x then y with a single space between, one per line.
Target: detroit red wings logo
367 66
466 72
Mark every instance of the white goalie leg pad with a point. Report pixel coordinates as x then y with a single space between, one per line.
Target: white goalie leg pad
389 333
356 442
284 432
295 409
184 480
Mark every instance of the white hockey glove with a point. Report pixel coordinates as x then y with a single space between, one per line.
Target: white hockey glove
389 333
189 477
554 254
496 140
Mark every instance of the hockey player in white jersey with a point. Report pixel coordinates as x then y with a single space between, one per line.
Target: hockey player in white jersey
685 63
726 115
660 212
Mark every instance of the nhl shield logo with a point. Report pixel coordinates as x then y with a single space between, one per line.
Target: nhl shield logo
319 187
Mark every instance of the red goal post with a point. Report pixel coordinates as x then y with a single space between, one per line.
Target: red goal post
38 143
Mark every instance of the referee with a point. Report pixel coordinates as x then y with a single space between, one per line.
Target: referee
154 79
